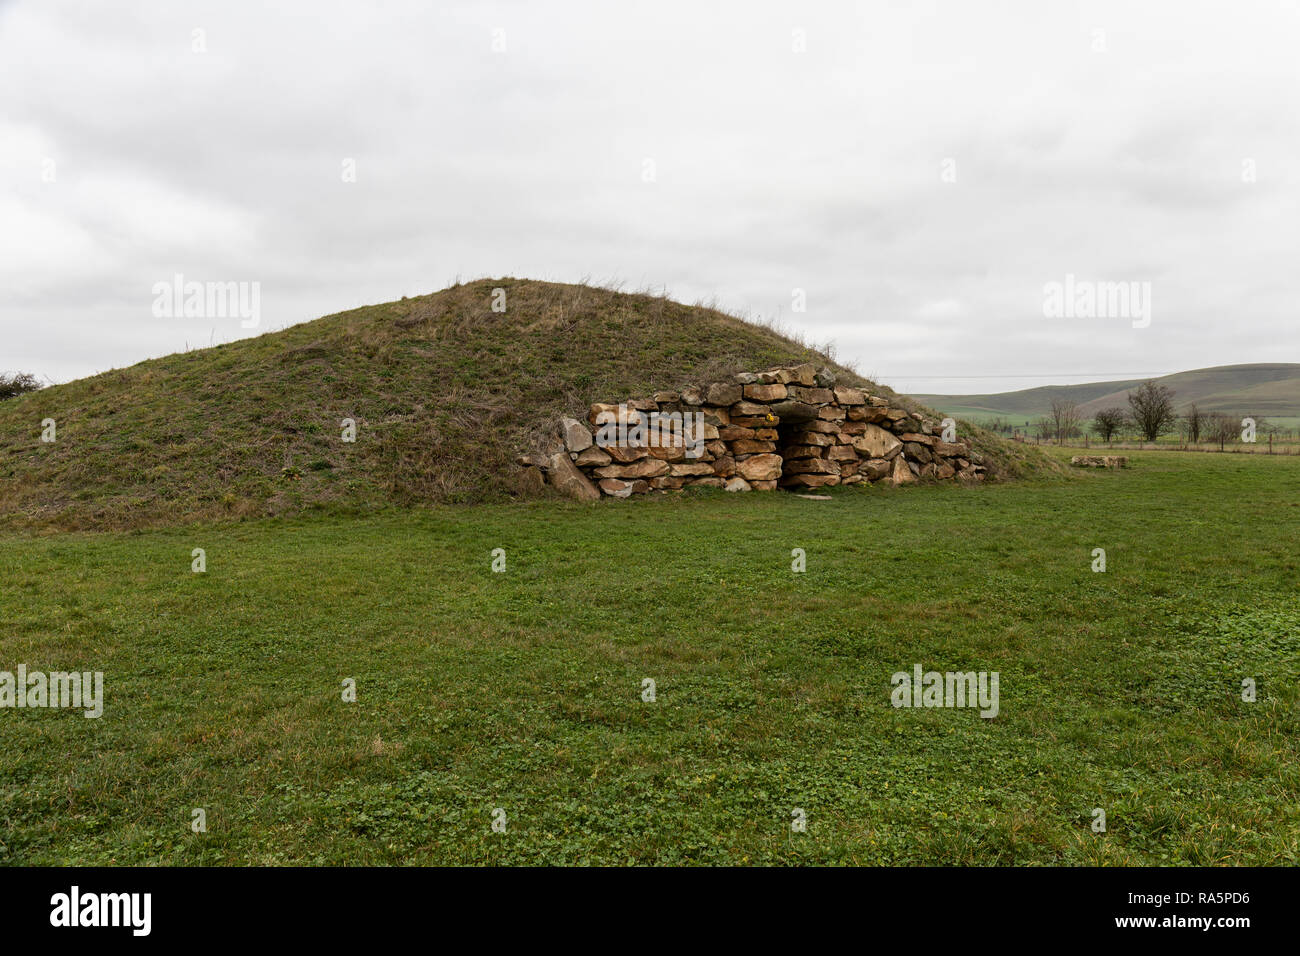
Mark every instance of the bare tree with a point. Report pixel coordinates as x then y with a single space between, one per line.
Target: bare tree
1194 421
1221 428
1044 427
1153 409
1065 419
1109 421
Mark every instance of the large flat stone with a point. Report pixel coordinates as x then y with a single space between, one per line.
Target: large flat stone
794 411
645 468
759 467
567 479
875 442
811 396
902 472
720 394
576 435
765 393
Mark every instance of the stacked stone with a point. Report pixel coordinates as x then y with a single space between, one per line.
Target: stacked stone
832 435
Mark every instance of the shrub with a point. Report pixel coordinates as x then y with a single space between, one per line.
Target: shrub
17 384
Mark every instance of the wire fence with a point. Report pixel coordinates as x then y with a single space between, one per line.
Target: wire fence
1266 445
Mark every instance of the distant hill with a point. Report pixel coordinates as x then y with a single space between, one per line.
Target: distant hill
1268 389
445 393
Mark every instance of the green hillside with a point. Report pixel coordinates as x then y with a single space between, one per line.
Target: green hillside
1268 389
444 391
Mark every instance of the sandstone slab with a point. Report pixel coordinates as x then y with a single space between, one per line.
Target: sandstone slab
765 393
625 454
759 467
645 468
576 435
592 457
567 479
691 469
875 442
874 469
901 474
812 466
812 396
720 394
794 411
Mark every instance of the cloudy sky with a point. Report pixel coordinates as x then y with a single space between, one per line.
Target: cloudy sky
914 173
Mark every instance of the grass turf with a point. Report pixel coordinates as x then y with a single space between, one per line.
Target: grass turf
521 690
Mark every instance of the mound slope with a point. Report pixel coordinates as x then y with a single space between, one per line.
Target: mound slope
444 391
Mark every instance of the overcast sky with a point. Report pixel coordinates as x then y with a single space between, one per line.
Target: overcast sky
921 171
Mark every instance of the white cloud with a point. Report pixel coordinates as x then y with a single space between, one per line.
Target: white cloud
822 170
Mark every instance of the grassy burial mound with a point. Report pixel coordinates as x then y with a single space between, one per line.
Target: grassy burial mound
445 392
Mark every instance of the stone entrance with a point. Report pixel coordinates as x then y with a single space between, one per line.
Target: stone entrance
790 427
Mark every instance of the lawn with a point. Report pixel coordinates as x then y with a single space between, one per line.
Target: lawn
522 690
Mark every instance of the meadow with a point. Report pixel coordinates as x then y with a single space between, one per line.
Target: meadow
522 690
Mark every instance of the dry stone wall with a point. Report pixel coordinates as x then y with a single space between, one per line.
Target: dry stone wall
790 427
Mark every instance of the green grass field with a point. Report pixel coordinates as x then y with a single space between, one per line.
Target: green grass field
521 690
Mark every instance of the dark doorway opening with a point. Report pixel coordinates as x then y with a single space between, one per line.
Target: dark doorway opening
791 445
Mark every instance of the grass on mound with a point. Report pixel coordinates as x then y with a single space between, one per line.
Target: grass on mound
521 690
444 391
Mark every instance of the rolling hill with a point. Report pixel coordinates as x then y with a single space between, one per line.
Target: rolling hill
445 393
1267 389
